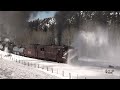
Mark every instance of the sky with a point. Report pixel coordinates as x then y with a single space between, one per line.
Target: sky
42 15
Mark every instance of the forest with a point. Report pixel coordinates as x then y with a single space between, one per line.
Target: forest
67 23
60 29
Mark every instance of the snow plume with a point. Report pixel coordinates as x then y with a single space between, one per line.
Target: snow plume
97 44
13 24
97 38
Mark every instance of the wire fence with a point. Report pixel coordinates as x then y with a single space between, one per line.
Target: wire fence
43 67
63 73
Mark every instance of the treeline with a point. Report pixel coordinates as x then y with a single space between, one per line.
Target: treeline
70 22
42 31
41 25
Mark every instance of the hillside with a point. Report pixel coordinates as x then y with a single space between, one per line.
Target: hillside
42 24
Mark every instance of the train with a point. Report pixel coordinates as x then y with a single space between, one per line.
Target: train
46 52
53 53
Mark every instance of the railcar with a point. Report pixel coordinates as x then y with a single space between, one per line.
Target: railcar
50 53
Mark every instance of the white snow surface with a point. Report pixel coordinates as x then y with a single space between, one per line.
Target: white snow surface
60 71
13 70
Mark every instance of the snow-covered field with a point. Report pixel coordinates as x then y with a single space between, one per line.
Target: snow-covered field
50 70
13 70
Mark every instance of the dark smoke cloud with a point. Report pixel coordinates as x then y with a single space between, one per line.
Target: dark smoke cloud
62 22
59 25
13 24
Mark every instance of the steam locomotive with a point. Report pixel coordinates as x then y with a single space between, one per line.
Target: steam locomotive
44 52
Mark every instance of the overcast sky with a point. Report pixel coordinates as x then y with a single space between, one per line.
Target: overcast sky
42 15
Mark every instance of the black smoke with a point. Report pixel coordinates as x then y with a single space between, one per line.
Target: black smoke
59 25
63 21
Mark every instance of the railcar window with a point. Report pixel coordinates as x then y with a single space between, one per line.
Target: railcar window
42 49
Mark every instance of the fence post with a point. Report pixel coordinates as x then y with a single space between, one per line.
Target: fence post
47 68
28 63
63 73
25 63
69 75
52 70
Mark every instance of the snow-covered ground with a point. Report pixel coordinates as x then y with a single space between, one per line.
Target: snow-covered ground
13 70
52 70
